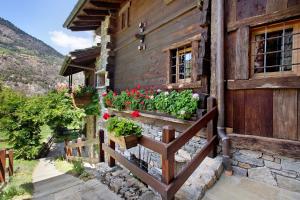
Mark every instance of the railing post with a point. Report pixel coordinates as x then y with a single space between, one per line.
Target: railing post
101 141
212 125
11 162
2 165
79 147
111 160
168 166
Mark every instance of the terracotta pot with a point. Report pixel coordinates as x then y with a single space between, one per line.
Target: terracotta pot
125 142
81 101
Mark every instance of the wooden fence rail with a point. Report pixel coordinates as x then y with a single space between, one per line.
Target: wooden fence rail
74 151
4 154
170 183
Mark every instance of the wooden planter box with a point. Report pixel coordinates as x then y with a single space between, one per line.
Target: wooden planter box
125 142
81 101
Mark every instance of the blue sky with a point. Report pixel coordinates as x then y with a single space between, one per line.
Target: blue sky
43 19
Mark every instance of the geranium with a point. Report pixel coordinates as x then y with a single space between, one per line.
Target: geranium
138 86
196 96
104 94
135 114
106 116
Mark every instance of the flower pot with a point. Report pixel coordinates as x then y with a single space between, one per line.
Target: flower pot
81 101
125 142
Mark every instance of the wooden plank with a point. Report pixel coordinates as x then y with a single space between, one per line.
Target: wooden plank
266 145
259 112
191 167
265 18
2 165
242 53
212 125
181 140
285 114
111 160
276 5
298 114
246 8
273 83
145 177
168 166
239 112
293 3
229 108
195 61
230 58
152 144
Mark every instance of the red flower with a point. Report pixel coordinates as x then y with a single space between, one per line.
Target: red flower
138 86
106 116
142 103
135 114
104 94
115 94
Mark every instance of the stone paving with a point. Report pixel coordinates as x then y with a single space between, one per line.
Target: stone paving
50 184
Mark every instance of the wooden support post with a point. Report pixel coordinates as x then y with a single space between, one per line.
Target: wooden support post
212 125
11 162
101 142
79 147
2 165
111 160
168 166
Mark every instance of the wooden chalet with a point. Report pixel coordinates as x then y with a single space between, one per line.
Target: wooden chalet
246 54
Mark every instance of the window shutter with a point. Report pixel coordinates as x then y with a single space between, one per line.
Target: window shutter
242 53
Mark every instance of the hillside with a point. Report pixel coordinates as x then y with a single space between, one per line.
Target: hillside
26 63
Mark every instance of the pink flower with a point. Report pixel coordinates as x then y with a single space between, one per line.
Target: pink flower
138 86
106 116
104 94
135 114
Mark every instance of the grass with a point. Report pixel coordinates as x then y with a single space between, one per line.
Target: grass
74 168
20 184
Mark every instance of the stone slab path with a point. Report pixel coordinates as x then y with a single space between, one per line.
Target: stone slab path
237 188
50 184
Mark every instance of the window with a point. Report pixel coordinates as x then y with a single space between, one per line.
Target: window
124 16
181 64
276 49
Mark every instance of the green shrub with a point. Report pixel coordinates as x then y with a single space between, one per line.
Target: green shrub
123 127
78 167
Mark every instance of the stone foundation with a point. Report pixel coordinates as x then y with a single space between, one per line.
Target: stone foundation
275 170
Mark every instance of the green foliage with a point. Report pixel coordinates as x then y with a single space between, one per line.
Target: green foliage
123 127
59 111
21 118
92 108
182 105
78 167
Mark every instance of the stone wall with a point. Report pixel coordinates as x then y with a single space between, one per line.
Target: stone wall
279 171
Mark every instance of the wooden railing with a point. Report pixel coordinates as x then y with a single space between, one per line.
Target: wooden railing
46 147
10 168
74 151
170 183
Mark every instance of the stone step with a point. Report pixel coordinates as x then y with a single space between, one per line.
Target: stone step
236 188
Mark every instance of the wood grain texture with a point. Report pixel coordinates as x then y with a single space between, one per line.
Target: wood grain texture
239 112
298 100
285 114
275 5
230 58
246 8
229 108
242 53
272 83
259 112
266 145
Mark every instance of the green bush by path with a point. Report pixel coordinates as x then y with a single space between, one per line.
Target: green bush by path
21 119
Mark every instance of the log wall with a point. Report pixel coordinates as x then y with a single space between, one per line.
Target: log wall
268 107
166 25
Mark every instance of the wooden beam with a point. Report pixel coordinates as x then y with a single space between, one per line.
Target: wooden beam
265 83
105 5
82 67
96 12
144 176
88 18
266 18
266 145
87 23
83 28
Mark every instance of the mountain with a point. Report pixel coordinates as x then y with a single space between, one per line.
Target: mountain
26 63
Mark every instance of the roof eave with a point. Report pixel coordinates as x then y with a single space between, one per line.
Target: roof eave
72 15
65 65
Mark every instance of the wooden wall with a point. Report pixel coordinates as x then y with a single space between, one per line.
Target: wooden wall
165 25
268 107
